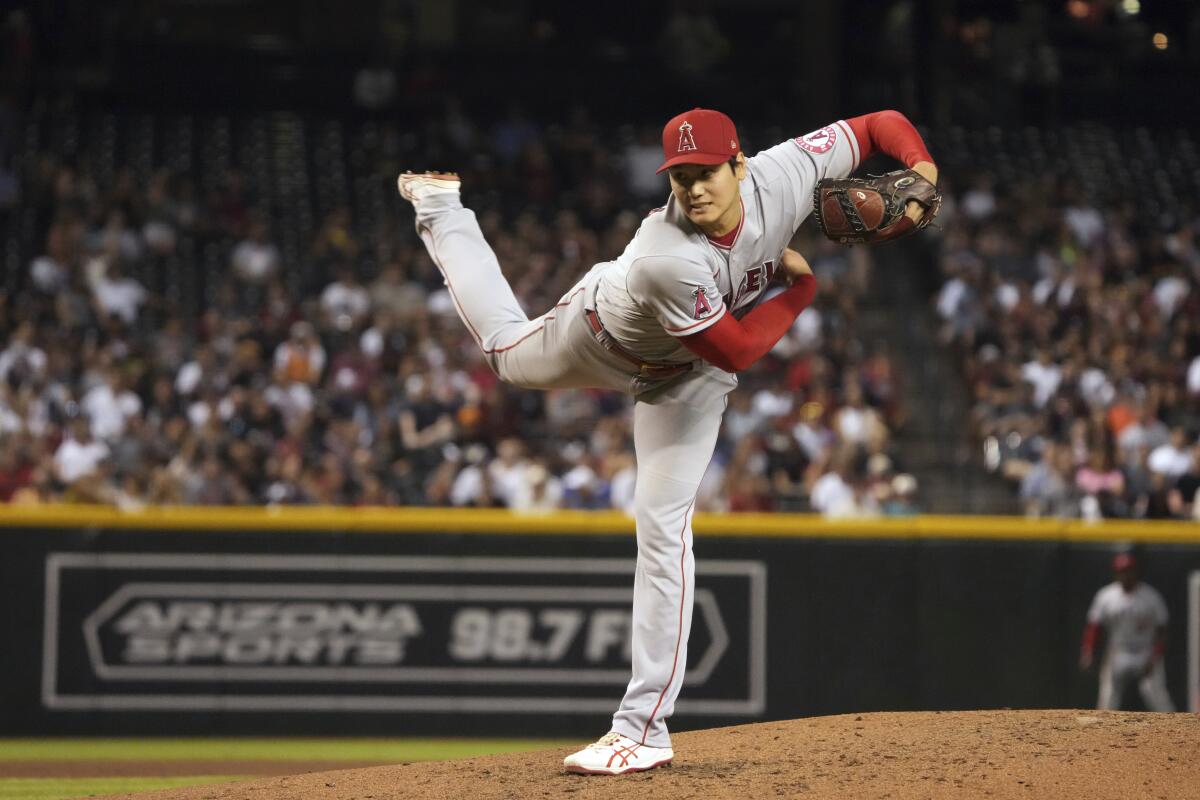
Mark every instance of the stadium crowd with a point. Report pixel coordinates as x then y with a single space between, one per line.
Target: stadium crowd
341 374
1077 313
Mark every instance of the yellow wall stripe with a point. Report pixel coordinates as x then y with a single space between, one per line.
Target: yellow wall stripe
499 521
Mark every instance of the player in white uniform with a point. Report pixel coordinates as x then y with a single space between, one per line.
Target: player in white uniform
668 322
1134 618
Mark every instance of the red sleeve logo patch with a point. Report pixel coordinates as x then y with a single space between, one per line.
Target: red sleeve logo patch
821 141
703 308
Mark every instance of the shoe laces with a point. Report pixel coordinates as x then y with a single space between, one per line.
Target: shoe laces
608 739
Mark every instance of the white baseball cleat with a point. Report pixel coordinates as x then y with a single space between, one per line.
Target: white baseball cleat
616 754
414 187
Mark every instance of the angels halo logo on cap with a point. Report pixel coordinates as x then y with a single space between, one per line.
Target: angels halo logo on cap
686 142
699 136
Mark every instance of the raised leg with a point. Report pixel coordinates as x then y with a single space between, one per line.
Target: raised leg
535 353
481 293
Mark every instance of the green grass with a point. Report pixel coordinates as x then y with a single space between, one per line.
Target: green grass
227 749
61 788
222 749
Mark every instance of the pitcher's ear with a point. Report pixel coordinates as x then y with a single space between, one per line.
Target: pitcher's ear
737 164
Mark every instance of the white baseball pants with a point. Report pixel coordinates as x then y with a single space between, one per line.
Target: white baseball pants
1153 687
675 425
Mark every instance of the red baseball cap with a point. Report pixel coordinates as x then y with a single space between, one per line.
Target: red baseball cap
699 136
1123 562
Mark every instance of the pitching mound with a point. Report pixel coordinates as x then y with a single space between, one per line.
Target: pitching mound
1066 755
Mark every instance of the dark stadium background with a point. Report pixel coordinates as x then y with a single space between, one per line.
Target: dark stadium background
785 61
1066 258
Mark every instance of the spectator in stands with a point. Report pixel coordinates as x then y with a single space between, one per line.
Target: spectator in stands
1184 499
426 423
375 85
1047 490
833 493
394 293
115 294
506 471
1146 433
110 404
903 499
855 422
351 373
160 229
15 470
1193 377
1044 375
78 460
537 491
256 258
200 371
301 358
1102 482
22 360
1173 458
345 303
39 489
336 239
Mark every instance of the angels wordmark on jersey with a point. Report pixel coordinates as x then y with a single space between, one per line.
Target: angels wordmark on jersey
753 281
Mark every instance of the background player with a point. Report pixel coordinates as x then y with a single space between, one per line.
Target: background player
1134 618
667 322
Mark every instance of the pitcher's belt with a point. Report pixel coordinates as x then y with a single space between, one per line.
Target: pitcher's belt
645 368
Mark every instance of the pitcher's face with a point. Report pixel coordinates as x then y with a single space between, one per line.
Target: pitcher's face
708 194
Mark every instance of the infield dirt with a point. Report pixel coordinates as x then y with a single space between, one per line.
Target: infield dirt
1064 755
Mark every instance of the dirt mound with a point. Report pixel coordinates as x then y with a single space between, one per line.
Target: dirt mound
1066 755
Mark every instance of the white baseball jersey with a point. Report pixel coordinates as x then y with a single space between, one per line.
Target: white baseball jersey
1131 619
672 280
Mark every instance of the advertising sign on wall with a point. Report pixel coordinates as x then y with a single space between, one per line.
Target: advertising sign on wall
435 622
370 634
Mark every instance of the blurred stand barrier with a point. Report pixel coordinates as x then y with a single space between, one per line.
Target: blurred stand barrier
430 621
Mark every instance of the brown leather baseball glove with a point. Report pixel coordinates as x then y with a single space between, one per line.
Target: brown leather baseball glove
856 210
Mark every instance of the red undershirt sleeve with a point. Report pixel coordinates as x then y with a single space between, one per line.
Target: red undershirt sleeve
733 344
891 133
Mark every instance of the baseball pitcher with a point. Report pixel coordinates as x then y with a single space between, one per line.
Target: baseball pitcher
669 322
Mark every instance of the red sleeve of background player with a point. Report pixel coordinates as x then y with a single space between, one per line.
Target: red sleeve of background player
889 132
733 344
1160 646
1090 633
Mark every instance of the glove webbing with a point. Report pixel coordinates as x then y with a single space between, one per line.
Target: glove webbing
851 211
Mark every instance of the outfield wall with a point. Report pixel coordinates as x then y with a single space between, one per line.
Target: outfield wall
433 621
